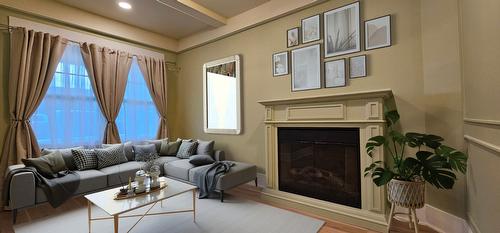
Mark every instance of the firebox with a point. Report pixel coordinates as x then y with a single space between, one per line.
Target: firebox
321 163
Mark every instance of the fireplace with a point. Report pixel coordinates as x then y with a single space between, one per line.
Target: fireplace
321 163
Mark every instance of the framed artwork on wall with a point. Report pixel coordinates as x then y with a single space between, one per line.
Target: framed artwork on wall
306 68
357 66
342 34
292 37
280 64
311 29
378 33
335 75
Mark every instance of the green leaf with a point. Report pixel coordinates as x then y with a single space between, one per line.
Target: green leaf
398 137
374 142
391 117
382 176
456 160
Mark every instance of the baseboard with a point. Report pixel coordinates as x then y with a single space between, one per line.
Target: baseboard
439 220
472 223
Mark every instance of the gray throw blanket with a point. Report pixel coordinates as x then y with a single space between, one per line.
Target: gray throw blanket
206 178
57 190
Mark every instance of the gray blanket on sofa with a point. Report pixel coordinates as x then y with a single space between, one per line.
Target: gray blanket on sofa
206 178
57 190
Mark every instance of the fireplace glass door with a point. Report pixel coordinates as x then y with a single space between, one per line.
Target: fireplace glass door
321 163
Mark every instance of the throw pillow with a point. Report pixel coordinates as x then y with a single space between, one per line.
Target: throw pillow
143 150
110 156
170 148
205 147
85 159
127 148
66 154
47 165
200 160
157 143
186 149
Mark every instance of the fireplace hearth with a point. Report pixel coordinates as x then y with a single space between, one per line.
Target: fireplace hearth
321 163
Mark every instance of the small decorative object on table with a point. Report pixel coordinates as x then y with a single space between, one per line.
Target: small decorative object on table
140 177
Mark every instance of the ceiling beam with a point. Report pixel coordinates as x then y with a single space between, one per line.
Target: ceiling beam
197 11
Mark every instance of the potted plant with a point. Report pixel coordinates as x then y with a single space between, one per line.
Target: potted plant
433 162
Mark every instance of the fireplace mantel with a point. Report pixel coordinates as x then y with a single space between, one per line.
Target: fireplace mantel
363 110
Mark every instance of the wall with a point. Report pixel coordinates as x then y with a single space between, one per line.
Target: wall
481 59
407 68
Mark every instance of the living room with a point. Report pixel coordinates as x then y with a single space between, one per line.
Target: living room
249 116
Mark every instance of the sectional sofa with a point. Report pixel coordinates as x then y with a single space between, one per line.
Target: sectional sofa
24 193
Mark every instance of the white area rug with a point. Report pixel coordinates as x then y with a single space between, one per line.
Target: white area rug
235 215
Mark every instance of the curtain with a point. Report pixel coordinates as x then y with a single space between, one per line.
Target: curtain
154 72
69 114
108 72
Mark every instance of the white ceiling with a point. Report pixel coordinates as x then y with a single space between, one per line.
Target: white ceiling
230 8
173 20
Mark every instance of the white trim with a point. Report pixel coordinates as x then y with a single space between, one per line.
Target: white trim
481 121
472 223
483 144
438 220
82 37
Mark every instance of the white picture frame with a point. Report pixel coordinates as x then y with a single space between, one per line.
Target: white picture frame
306 68
311 29
378 33
335 73
280 64
357 66
342 30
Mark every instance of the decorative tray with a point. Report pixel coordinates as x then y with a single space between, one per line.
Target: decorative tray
119 196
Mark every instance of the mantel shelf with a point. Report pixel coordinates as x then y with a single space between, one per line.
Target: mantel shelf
383 93
325 122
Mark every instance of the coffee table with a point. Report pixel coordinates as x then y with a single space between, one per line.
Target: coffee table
116 208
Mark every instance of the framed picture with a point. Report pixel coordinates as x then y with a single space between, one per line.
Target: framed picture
357 66
292 37
280 64
335 75
306 68
342 35
378 33
310 29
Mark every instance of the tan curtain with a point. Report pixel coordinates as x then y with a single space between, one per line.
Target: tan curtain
154 72
33 61
108 72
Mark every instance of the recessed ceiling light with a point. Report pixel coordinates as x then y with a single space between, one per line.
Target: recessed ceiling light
125 5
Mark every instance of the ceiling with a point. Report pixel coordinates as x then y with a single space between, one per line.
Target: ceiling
173 18
230 8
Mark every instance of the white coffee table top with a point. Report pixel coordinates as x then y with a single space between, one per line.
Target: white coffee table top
105 201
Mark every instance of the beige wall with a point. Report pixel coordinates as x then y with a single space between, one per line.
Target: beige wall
413 68
481 69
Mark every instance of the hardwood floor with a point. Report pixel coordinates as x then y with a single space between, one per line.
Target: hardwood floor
330 226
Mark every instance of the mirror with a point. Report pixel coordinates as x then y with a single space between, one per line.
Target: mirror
221 96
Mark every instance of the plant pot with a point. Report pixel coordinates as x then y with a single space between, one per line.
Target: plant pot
408 194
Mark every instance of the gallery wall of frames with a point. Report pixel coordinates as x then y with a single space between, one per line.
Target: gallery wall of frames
312 48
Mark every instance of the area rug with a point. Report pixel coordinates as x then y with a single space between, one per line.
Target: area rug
235 215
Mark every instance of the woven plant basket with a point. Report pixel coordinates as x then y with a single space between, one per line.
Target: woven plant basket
408 194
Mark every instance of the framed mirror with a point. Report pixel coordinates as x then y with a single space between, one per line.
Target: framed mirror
221 96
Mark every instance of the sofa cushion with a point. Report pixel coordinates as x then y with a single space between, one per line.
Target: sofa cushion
200 160
162 160
205 147
170 148
67 156
127 149
47 165
178 169
186 149
157 143
85 159
142 150
110 156
119 174
240 173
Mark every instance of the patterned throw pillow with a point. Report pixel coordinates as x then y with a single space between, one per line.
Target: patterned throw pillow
85 159
110 156
186 149
142 151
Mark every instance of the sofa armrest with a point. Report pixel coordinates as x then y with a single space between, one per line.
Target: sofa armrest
219 155
21 189
13 167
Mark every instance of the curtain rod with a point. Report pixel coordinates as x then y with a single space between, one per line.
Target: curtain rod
9 28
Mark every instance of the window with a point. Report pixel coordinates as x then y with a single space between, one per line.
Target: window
69 114
138 118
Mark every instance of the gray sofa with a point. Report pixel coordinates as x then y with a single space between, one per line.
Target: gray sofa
24 193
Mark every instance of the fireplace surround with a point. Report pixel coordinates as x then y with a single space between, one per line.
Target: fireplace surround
357 116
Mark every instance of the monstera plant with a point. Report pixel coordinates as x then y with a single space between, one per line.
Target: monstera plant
430 160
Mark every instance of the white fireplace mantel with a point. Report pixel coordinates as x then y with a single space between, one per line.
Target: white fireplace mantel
363 110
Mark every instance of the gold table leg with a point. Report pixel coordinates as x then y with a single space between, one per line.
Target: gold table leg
194 205
115 220
89 208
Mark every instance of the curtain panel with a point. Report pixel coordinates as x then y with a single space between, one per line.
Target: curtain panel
33 60
154 72
108 72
